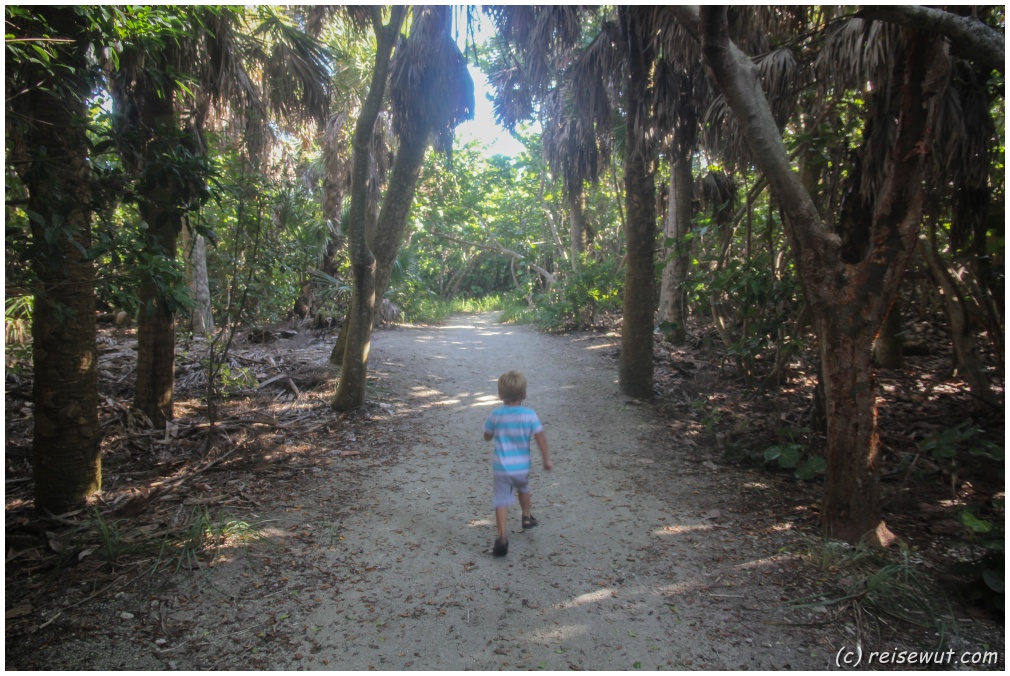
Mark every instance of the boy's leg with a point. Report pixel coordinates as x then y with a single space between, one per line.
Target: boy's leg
501 519
524 502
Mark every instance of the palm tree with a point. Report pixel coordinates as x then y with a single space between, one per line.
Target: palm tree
682 95
49 80
430 92
620 64
358 325
198 57
635 368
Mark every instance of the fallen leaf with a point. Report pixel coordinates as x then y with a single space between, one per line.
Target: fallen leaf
55 543
20 611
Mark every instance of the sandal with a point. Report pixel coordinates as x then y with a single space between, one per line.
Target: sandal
501 547
529 522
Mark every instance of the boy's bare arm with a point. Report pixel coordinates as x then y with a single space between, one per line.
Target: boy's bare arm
541 439
488 436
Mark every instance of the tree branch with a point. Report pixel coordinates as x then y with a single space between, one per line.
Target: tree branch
736 76
498 248
968 36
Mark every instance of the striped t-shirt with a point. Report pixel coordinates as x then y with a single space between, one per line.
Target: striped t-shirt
512 429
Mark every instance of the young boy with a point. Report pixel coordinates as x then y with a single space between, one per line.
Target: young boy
513 427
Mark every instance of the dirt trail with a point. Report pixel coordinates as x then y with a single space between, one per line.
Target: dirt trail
384 560
624 570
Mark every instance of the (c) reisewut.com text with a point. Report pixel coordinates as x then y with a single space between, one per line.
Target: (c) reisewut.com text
857 657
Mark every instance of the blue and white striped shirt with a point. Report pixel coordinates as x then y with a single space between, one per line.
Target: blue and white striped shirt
512 429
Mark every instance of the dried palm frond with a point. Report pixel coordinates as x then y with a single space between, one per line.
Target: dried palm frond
719 196
963 155
430 86
856 52
581 109
535 43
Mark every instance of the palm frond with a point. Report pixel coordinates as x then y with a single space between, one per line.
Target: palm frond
535 44
719 195
856 52
782 80
430 86
296 70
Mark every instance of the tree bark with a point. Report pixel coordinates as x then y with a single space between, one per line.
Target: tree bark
677 255
888 348
194 247
968 36
155 393
635 364
579 229
350 392
848 299
388 235
54 165
148 136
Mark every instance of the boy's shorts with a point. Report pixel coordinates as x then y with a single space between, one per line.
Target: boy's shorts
503 485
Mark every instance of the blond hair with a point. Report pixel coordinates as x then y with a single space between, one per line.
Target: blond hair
512 386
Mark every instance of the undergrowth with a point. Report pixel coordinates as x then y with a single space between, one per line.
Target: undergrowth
431 310
201 537
872 589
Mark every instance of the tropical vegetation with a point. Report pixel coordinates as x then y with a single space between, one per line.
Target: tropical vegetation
784 177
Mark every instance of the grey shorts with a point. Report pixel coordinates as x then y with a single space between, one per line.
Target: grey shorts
503 485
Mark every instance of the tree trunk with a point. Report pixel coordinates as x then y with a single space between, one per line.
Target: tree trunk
848 297
673 291
852 488
385 240
579 230
635 365
148 140
340 347
967 361
334 188
194 248
156 326
66 459
888 348
350 392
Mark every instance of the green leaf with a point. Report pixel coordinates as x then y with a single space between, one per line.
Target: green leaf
994 580
818 463
974 523
943 452
789 457
804 473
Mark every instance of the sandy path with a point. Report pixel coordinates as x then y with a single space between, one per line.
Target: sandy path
627 569
381 558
